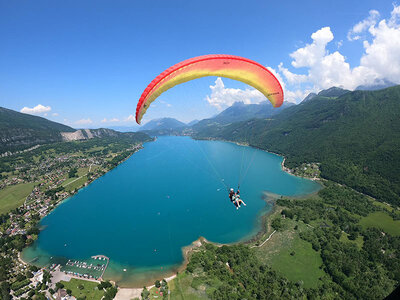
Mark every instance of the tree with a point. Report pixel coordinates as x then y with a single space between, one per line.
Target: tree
110 293
145 294
157 284
106 284
277 223
59 285
69 292
5 290
40 296
72 173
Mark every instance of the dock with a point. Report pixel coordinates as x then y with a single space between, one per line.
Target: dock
102 257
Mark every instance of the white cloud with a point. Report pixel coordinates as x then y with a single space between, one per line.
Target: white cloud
291 77
55 115
37 110
382 55
84 122
113 120
164 102
354 33
394 16
222 97
311 53
130 118
380 60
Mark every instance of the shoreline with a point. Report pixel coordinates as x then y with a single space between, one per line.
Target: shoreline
253 237
284 168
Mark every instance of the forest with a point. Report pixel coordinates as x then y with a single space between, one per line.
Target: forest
366 270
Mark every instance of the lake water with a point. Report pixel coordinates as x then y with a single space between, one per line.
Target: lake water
161 199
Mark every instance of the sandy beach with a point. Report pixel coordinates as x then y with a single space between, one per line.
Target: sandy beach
130 293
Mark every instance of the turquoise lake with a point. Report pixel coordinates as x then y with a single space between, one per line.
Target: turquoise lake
161 199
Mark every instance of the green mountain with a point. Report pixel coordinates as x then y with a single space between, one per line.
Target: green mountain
355 137
18 130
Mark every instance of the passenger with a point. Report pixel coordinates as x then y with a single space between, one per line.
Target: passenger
238 201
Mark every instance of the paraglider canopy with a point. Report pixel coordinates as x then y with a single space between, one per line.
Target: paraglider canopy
229 66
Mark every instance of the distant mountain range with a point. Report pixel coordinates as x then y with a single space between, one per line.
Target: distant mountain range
241 112
237 112
377 85
132 128
163 124
20 131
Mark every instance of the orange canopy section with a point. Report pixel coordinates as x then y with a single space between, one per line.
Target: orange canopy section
229 66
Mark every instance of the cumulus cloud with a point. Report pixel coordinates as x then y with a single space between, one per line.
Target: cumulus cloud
84 122
37 110
55 114
380 60
291 77
382 55
360 27
222 97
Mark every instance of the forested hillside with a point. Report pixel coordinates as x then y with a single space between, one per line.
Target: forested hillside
355 137
18 130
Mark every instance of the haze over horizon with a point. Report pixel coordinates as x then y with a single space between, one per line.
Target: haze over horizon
86 64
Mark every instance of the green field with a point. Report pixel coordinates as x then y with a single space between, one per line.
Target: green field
381 220
359 241
14 196
89 289
74 183
383 205
303 265
181 288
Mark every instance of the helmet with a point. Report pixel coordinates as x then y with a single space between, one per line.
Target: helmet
231 190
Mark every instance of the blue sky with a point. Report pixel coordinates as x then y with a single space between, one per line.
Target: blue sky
87 62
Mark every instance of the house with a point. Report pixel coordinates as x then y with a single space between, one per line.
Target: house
61 294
